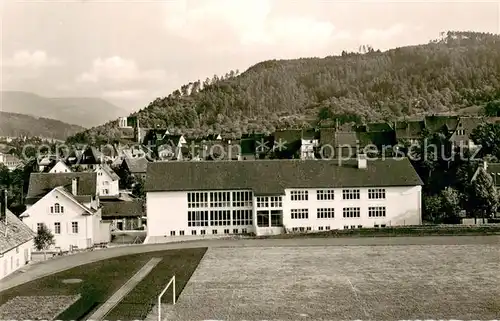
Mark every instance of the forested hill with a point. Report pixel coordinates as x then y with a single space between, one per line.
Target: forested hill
460 70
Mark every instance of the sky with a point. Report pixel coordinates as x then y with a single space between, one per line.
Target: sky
131 52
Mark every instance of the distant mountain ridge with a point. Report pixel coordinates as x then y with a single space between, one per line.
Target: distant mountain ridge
14 125
83 111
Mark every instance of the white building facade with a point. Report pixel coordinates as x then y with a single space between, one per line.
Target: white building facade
107 181
73 224
259 210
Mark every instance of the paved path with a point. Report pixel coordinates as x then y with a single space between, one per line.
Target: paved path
58 264
104 309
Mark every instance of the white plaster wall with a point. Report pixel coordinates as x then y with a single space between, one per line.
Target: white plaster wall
40 213
168 211
15 259
403 207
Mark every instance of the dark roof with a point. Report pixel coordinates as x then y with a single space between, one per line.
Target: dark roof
327 136
379 139
91 156
273 176
409 129
469 123
17 234
346 138
247 146
288 136
436 123
122 209
379 127
136 165
42 183
309 134
110 172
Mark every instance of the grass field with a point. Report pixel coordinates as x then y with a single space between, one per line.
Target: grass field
137 304
101 279
344 283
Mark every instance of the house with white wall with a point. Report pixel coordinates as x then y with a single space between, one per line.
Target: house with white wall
16 241
60 167
107 181
274 196
68 204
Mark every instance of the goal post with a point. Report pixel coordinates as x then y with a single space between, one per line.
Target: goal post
171 282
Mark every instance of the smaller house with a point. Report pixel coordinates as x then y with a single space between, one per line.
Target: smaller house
136 166
91 158
409 131
60 167
287 143
335 143
10 161
16 241
123 215
461 136
309 143
75 224
107 181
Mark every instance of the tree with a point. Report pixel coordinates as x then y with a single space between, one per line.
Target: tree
432 208
450 205
492 109
483 197
43 239
138 188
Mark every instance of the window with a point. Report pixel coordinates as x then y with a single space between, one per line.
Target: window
299 195
214 232
172 233
276 218
57 208
105 191
353 226
181 232
235 231
197 200
349 212
74 227
360 226
325 212
226 231
203 232
376 225
220 218
242 199
346 227
197 218
57 228
302 229
376 193
263 218
295 229
382 225
193 232
378 211
220 199
244 231
320 228
242 217
327 228
461 132
309 228
325 194
300 214
275 201
350 194
262 201
39 226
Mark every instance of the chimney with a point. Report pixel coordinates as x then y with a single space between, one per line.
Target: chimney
362 162
74 186
3 205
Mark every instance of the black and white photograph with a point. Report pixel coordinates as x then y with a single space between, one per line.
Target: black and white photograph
249 160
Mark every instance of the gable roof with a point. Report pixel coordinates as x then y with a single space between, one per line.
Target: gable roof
122 209
111 173
50 168
469 123
18 233
136 165
437 123
409 129
41 184
273 176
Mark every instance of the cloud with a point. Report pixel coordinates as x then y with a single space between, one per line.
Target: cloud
376 35
223 25
125 94
117 69
35 60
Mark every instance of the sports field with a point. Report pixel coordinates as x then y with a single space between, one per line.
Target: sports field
344 283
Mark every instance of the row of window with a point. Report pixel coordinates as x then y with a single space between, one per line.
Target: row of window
347 212
244 199
57 227
329 194
219 218
327 228
214 232
56 209
219 199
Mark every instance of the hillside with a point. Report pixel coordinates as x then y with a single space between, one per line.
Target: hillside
446 75
12 124
86 112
